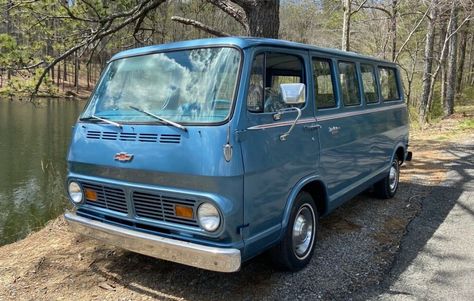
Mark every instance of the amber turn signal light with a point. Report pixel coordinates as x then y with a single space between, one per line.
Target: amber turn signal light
183 211
91 195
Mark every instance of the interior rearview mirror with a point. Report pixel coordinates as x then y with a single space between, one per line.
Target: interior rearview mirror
293 94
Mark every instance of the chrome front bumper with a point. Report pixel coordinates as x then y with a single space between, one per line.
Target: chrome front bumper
204 257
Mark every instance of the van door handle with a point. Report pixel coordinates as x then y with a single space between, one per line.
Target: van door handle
312 127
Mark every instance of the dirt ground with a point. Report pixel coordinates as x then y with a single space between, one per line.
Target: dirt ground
356 248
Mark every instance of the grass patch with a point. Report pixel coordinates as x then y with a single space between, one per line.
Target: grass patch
467 124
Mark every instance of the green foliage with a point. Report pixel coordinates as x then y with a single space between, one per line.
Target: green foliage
21 85
8 50
467 124
466 97
414 117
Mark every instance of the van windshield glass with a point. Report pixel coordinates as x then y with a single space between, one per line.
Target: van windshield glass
186 86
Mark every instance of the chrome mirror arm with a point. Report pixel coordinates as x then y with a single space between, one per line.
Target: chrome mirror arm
287 110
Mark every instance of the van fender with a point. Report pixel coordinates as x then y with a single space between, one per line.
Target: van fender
291 198
394 151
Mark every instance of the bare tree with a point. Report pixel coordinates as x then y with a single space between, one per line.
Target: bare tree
106 26
346 22
258 18
9 27
462 56
428 60
410 71
393 28
448 101
444 33
392 16
470 65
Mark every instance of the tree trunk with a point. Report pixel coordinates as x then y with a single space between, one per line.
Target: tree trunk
470 65
393 29
263 18
76 71
411 74
442 60
346 25
9 28
88 68
64 71
462 56
448 104
428 61
58 75
259 18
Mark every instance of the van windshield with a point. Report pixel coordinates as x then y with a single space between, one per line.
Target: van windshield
186 86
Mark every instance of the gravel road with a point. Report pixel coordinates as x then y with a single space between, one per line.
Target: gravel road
356 249
436 259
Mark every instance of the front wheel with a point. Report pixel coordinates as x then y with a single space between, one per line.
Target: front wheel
295 250
387 187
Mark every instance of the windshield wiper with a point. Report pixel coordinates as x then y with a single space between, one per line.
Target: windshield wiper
161 119
93 117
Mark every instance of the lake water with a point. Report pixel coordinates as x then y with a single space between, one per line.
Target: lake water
33 147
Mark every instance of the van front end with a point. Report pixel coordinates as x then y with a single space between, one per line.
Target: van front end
168 200
152 166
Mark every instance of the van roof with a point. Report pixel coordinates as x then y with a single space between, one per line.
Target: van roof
241 42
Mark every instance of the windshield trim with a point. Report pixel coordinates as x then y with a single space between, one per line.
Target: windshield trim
229 116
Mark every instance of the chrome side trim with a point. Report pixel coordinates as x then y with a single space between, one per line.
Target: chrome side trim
282 123
361 112
326 117
204 257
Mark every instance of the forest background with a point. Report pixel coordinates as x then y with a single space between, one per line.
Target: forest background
57 47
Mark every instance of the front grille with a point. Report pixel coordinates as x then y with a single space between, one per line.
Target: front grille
160 207
155 206
107 197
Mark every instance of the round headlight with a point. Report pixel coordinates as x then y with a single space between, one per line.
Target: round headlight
75 192
208 217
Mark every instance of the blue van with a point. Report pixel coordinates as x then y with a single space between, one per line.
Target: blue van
210 152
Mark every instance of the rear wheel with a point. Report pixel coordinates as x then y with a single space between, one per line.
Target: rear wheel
295 250
387 187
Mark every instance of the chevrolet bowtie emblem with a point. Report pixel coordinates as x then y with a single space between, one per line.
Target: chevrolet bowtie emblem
123 157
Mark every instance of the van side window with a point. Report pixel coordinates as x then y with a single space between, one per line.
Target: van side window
269 70
255 93
323 84
389 84
369 83
349 83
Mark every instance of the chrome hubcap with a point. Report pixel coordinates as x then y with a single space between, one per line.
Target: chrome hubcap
303 232
393 178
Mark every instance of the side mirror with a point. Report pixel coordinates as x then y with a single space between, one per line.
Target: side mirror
293 94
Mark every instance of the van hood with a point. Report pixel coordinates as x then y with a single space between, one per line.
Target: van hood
141 153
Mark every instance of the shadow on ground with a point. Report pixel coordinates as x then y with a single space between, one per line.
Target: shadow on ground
355 253
357 245
435 207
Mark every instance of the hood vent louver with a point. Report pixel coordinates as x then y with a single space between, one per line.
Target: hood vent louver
109 135
134 137
164 138
148 137
128 137
93 134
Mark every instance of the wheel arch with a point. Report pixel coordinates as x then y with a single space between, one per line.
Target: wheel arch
399 152
314 186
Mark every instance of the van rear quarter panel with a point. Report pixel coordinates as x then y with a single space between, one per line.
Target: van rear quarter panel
362 148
